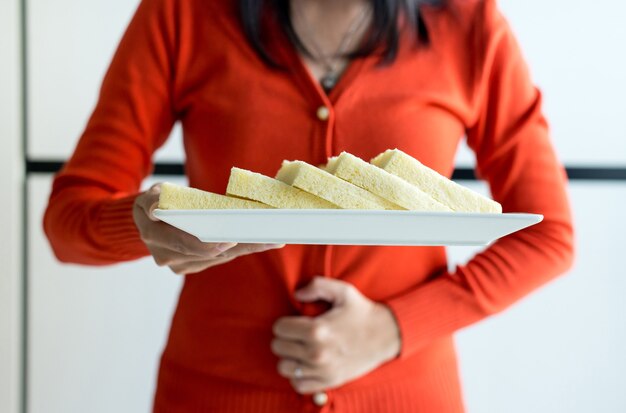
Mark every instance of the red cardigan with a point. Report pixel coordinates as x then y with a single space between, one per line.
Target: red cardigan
188 61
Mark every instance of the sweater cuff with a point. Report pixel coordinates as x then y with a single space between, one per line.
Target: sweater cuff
117 229
431 311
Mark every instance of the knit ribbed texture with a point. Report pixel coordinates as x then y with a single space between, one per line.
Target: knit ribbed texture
431 311
434 389
117 228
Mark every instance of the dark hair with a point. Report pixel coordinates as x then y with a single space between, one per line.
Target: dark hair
385 31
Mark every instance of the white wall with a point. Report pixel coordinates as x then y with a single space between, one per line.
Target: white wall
11 179
96 334
68 54
562 348
558 350
575 51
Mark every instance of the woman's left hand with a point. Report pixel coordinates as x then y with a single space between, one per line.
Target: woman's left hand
351 339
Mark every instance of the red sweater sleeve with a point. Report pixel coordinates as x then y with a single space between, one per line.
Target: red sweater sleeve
514 154
89 215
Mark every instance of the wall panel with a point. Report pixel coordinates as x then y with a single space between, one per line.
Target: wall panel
572 48
95 334
68 54
561 348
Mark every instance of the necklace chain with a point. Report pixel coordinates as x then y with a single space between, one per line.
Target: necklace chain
331 75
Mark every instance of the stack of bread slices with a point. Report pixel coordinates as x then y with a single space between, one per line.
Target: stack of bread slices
392 180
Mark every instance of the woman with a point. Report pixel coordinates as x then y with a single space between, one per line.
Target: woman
256 82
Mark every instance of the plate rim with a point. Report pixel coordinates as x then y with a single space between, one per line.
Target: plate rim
331 212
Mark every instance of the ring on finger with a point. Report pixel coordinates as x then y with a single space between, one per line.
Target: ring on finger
297 372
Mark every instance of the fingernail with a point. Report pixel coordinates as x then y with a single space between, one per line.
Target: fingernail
225 246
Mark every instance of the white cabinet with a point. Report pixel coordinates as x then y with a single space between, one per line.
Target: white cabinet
95 334
562 348
70 44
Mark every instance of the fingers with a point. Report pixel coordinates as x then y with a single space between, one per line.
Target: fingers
327 289
324 352
183 252
166 257
310 354
304 378
183 258
175 254
290 349
293 369
304 329
181 263
193 267
245 249
166 236
309 386
156 233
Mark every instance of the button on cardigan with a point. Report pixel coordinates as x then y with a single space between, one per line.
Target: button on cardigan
188 61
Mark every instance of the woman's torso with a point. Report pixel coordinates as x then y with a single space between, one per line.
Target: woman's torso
236 111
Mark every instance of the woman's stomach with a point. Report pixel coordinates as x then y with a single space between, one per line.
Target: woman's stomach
222 327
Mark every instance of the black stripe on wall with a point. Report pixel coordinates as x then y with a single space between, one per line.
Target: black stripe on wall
51 167
574 173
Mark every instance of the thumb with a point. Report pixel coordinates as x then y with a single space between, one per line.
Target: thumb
149 201
326 289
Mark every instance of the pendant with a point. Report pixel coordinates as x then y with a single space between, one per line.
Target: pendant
328 81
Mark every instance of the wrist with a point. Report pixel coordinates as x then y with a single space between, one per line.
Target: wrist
389 332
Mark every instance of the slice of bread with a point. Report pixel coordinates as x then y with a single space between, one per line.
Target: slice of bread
455 196
380 182
180 197
251 185
329 187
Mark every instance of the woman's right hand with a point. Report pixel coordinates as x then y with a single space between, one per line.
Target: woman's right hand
181 252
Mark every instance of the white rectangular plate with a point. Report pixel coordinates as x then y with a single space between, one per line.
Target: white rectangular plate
346 227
